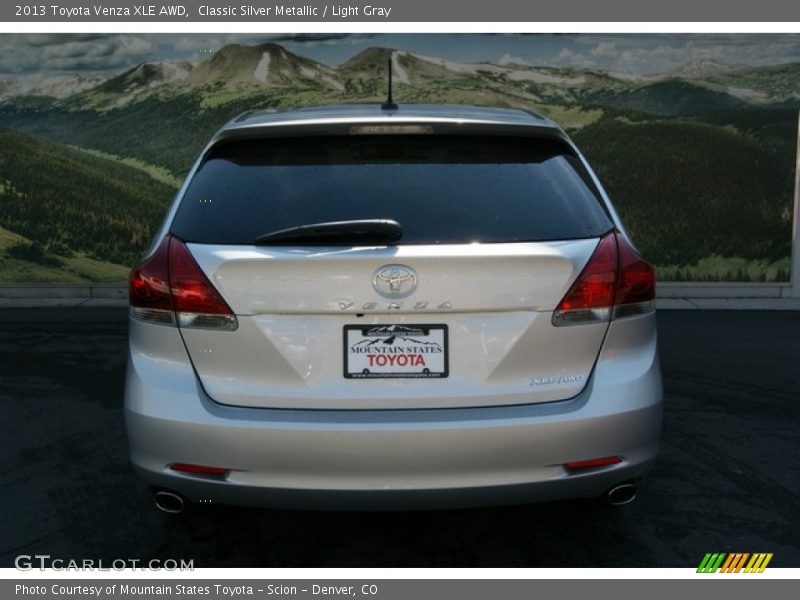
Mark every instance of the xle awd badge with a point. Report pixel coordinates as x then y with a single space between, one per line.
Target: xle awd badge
395 281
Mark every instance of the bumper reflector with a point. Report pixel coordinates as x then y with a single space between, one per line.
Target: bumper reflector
594 462
199 469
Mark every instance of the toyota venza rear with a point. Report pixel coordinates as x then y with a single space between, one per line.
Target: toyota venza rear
356 308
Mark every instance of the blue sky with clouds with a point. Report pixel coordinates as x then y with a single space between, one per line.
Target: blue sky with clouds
40 56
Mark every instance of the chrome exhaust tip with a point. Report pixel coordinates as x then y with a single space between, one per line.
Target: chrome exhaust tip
624 493
168 502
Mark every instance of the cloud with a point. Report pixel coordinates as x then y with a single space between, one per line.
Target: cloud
193 44
302 38
40 54
605 49
659 53
508 59
50 39
569 58
48 55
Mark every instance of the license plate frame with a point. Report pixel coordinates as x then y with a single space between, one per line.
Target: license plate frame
417 354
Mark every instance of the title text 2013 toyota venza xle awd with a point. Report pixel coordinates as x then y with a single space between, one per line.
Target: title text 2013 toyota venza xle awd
362 307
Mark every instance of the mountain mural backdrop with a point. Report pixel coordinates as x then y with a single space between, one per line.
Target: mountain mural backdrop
699 160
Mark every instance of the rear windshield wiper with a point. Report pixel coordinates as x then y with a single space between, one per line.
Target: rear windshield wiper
335 232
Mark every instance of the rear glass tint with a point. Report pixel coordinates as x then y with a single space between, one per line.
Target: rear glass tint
441 189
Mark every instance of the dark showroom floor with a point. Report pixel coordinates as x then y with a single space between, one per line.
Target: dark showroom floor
727 479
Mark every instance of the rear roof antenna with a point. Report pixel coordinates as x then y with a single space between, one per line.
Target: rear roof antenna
389 104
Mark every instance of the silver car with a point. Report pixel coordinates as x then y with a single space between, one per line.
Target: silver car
350 307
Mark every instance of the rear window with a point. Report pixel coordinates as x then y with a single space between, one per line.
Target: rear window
441 189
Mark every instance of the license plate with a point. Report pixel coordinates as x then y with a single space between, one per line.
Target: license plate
405 351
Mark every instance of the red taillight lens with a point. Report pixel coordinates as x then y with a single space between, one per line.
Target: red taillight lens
593 463
594 287
637 280
191 290
199 469
592 294
171 284
148 284
615 277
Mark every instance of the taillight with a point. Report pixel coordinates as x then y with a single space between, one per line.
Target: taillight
592 294
615 283
636 287
196 302
148 287
171 287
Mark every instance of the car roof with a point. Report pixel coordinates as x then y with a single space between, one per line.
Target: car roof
337 115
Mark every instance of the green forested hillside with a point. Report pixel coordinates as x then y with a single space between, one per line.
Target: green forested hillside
69 201
688 190
24 261
168 134
671 97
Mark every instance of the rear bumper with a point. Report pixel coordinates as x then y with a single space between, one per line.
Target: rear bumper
406 459
394 500
393 459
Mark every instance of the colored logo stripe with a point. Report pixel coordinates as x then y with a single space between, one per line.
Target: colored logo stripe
759 562
711 562
734 562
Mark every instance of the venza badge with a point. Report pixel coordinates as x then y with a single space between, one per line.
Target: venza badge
395 281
